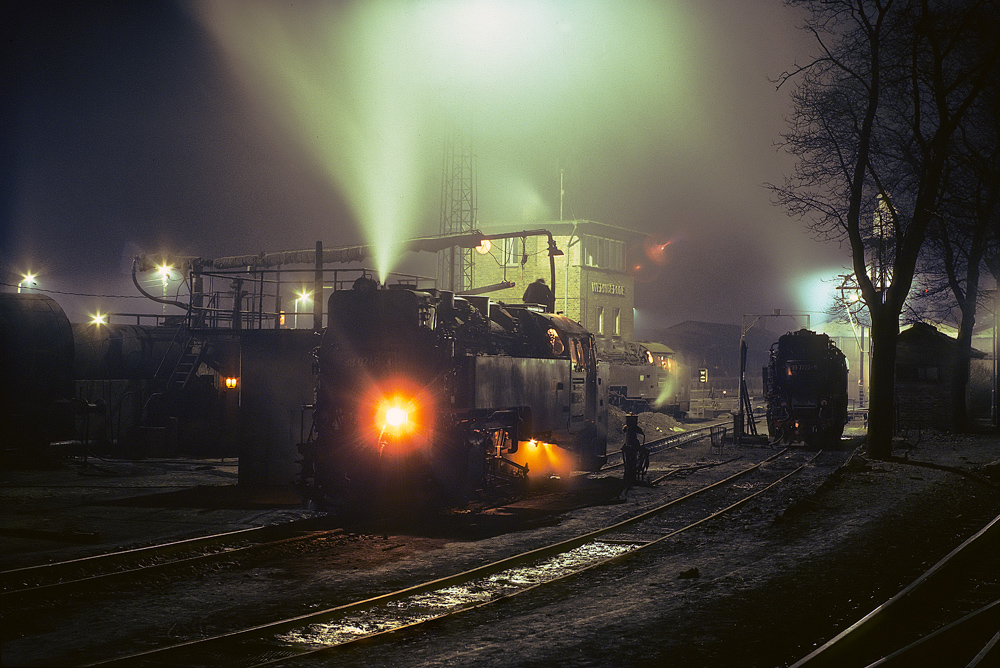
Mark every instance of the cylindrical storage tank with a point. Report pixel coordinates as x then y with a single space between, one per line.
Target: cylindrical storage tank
131 352
36 359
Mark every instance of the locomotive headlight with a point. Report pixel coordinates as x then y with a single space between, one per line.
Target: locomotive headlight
396 416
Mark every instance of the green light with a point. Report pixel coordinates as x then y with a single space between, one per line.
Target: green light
372 89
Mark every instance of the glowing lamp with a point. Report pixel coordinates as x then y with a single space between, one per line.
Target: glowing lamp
99 319
28 279
231 383
484 247
395 416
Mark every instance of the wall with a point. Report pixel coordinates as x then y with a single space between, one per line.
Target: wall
276 380
925 360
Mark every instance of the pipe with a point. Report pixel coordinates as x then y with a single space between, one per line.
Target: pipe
135 280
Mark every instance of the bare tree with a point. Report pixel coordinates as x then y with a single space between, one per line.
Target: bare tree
965 234
873 130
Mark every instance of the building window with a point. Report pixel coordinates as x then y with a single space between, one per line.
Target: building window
512 252
604 253
600 320
617 322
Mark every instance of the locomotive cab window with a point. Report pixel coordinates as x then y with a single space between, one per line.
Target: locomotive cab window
586 352
556 343
576 354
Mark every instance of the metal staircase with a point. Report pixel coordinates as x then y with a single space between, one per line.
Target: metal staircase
164 403
192 354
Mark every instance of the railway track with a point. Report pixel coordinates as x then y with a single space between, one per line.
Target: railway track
473 589
673 441
948 617
65 577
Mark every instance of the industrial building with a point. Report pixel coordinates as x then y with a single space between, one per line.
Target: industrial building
592 283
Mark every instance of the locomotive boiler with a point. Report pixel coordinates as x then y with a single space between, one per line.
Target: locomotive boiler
422 392
805 390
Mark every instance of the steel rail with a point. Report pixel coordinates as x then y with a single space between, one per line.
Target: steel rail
273 629
117 564
661 444
834 651
112 565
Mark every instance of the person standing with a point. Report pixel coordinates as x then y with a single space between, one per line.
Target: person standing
539 293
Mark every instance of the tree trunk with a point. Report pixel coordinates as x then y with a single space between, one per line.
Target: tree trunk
882 398
960 409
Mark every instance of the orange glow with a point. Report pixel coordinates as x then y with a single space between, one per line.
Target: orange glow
658 249
543 459
397 416
231 383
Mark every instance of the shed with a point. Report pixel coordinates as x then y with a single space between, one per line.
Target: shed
926 361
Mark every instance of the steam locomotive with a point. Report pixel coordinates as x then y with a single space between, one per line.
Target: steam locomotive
805 390
422 392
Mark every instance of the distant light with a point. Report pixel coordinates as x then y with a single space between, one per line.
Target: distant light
99 318
164 271
29 278
231 383
303 296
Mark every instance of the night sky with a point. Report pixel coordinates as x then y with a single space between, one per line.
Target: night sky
224 128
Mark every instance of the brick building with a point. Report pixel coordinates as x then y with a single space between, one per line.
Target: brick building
926 360
592 284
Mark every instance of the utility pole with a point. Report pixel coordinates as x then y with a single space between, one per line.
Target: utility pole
848 284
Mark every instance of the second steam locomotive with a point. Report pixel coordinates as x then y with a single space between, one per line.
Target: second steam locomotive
805 390
424 390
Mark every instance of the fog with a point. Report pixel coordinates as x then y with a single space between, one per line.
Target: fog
231 127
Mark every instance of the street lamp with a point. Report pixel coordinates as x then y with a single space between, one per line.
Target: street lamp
303 296
28 278
164 271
